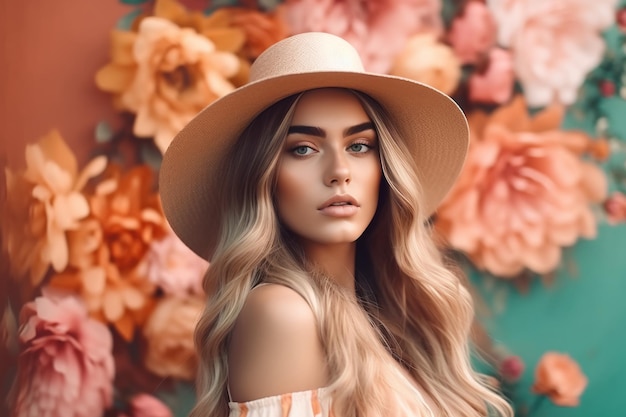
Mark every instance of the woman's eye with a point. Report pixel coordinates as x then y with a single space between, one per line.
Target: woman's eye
302 150
359 148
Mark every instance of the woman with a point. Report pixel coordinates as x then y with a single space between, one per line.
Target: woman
309 189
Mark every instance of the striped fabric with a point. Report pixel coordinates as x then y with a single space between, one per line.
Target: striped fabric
313 403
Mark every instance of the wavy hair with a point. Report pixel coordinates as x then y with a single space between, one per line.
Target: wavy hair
408 300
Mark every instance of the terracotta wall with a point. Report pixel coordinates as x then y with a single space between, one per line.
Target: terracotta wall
49 53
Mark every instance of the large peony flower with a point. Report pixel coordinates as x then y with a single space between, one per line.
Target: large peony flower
165 74
107 251
473 33
555 43
175 268
66 366
169 336
377 29
493 85
524 193
43 203
429 61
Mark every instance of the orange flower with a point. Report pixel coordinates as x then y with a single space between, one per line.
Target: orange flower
165 74
107 251
524 193
559 378
43 203
169 334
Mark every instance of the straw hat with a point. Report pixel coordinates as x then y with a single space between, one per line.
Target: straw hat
433 126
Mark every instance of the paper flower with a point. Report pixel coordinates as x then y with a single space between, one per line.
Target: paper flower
107 251
145 405
495 84
377 29
165 74
559 377
429 61
169 336
43 203
473 33
524 193
175 268
555 43
66 366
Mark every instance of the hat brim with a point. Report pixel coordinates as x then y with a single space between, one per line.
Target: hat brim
431 124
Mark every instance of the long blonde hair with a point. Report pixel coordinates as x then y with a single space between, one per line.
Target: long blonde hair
409 301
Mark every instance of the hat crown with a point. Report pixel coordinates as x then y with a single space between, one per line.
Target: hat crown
306 52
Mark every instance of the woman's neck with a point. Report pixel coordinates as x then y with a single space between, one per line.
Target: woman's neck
336 261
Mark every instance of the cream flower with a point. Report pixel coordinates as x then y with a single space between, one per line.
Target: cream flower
555 43
43 203
170 74
169 336
66 366
429 61
377 29
524 193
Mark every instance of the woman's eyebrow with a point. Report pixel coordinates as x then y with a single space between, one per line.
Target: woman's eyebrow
316 131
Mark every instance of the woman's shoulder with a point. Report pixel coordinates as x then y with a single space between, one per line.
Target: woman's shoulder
274 347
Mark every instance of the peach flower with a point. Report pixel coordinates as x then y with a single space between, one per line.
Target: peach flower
43 203
107 251
169 336
559 378
555 43
377 29
175 268
495 84
169 75
524 193
66 366
615 208
145 405
473 33
429 61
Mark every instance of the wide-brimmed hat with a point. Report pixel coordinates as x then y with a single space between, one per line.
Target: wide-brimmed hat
431 124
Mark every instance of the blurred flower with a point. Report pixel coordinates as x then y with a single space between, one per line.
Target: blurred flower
66 367
495 84
615 208
429 61
621 19
559 377
165 74
524 193
145 405
43 203
473 33
511 368
107 251
169 336
175 268
377 29
555 43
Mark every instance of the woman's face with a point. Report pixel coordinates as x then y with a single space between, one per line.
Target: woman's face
329 169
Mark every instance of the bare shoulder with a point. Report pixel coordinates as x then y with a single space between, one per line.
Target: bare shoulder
274 347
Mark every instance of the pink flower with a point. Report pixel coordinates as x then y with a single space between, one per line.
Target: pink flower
144 405
429 61
495 84
555 43
524 193
615 208
511 368
473 33
66 366
377 29
175 268
559 377
169 336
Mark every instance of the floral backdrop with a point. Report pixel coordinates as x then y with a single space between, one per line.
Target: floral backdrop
99 297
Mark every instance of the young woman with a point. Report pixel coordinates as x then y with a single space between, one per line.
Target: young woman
309 190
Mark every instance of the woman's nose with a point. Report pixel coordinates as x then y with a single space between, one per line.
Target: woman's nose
338 169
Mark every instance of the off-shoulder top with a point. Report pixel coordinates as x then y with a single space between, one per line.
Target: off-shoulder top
313 403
